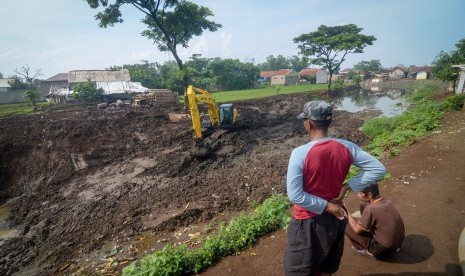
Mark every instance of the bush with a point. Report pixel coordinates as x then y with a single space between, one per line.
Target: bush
454 102
87 92
241 232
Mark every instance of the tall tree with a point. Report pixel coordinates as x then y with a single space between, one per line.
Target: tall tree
298 63
1 75
273 63
232 74
329 46
442 64
25 79
145 72
368 68
170 23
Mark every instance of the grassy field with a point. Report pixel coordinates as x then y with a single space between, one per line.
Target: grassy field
231 96
21 108
220 97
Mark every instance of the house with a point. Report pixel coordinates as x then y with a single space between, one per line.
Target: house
420 73
279 77
114 83
4 85
54 83
314 75
397 73
8 95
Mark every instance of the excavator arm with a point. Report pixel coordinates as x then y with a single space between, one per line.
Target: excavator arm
196 96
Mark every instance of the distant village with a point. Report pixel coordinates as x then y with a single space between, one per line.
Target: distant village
118 83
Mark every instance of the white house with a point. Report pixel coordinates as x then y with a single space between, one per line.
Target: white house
314 75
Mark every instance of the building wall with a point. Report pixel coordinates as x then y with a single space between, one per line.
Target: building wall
15 96
422 75
396 74
322 77
278 80
284 80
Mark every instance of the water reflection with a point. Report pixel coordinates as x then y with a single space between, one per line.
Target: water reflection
390 103
5 231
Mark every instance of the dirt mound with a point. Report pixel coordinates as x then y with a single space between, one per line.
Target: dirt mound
75 180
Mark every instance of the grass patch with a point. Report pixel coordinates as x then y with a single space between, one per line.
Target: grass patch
265 91
424 116
21 109
239 234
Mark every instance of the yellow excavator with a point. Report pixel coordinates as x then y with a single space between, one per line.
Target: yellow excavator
223 116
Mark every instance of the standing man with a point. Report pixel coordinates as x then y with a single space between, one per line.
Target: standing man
315 176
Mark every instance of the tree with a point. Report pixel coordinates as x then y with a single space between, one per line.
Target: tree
442 64
232 74
87 92
25 79
171 76
298 63
170 23
330 45
368 68
1 75
146 73
273 63
355 77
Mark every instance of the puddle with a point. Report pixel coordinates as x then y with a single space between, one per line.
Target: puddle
388 106
5 231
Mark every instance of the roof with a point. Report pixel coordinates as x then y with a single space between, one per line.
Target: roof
269 74
59 77
414 70
398 68
4 83
309 71
98 75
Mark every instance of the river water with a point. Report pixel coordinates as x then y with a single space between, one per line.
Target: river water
389 104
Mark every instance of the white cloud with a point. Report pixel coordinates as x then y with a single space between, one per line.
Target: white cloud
226 39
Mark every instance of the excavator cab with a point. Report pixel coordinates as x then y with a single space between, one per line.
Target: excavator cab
227 115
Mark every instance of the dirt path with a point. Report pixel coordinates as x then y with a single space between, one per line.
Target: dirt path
427 186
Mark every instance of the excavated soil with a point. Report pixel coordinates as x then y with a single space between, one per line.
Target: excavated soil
88 191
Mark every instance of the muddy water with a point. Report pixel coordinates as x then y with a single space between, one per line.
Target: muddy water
388 106
5 231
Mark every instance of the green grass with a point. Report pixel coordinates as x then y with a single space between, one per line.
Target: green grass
240 233
389 133
266 91
21 109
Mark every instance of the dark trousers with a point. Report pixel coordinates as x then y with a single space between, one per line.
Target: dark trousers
314 245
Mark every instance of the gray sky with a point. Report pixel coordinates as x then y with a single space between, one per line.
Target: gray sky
57 36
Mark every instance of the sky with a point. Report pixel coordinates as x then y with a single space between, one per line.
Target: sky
57 36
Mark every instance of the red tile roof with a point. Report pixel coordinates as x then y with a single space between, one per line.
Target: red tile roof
59 77
269 74
309 71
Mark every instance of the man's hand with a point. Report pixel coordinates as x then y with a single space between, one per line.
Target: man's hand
336 210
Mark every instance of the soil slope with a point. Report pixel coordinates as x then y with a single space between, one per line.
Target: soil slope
76 182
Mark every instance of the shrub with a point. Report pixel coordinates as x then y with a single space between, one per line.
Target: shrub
241 232
454 102
87 92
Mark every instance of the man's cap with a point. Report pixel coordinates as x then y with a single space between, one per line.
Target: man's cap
317 111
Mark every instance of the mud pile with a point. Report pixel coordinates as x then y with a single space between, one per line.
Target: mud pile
73 180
